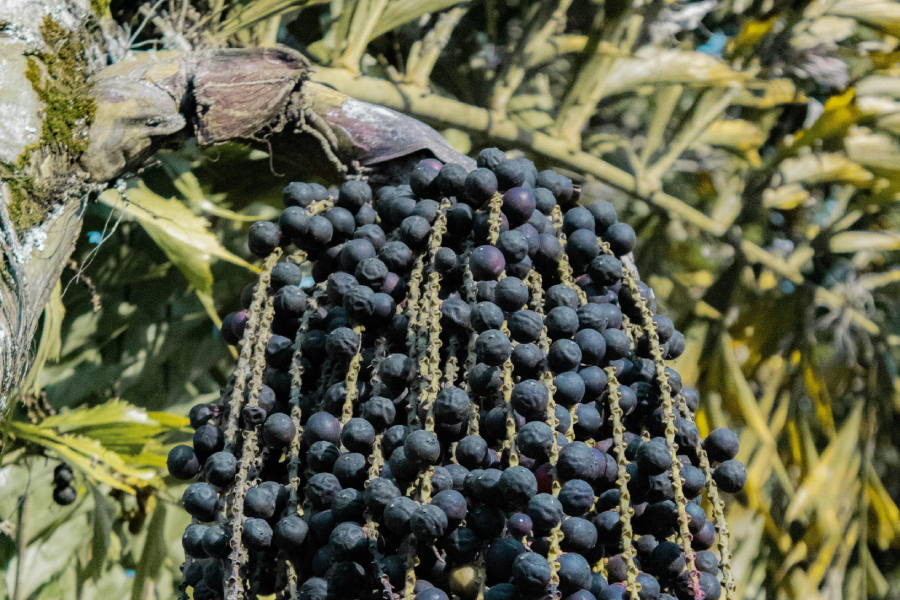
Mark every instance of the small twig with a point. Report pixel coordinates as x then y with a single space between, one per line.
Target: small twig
425 52
148 16
709 108
666 101
364 18
556 46
181 16
79 271
590 85
79 275
545 22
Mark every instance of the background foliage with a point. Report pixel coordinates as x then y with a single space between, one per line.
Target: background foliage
753 144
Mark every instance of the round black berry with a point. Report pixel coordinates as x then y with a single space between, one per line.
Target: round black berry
422 448
582 247
298 194
561 322
574 573
321 488
518 206
264 237
579 535
279 430
721 445
216 542
220 468
545 511
529 398
486 315
208 439
576 497
653 457
257 534
199 501
398 513
486 263
353 195
531 575
621 238
564 355
182 464
730 476
492 347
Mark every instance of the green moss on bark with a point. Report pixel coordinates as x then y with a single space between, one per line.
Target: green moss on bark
100 7
60 77
23 211
64 87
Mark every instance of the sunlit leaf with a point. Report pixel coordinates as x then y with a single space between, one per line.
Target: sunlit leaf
86 454
669 67
876 152
737 385
399 12
854 241
886 513
189 187
153 554
769 93
787 197
817 168
50 346
822 399
251 13
734 134
118 426
824 30
883 15
840 113
181 235
838 451
102 521
752 31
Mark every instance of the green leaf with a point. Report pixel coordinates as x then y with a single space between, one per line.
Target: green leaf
154 554
51 340
854 241
258 11
877 152
103 518
83 418
399 12
86 454
881 15
667 67
184 237
189 187
120 428
44 561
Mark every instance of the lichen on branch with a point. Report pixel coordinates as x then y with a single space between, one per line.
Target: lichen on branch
62 82
60 77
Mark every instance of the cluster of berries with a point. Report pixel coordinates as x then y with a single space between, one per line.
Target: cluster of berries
63 492
471 399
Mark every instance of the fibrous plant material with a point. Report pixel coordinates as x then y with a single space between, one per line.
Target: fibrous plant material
470 400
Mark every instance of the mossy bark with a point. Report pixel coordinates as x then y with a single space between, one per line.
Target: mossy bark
42 186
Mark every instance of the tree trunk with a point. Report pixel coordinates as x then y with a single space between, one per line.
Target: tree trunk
70 126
